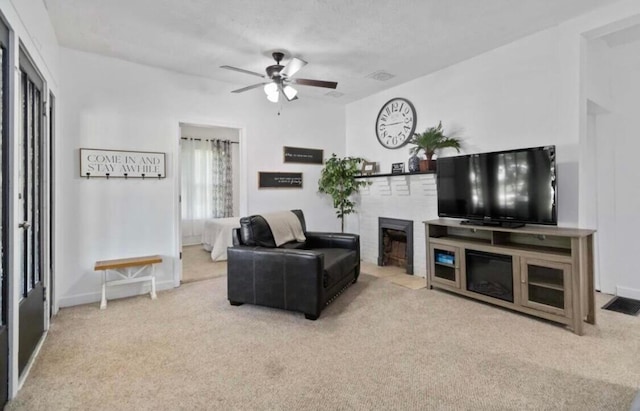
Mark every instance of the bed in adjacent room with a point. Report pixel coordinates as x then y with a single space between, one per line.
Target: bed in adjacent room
216 236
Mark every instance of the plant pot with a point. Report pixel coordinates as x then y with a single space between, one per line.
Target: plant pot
427 165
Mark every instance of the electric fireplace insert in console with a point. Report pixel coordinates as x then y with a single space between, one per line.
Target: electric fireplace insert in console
490 274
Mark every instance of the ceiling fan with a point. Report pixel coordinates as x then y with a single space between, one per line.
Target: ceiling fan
280 79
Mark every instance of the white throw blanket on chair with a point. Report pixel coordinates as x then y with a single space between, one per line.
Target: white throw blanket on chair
285 226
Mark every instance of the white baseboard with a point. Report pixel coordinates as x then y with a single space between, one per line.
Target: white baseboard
187 241
628 292
113 293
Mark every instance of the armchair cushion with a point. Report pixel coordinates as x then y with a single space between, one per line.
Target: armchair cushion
294 245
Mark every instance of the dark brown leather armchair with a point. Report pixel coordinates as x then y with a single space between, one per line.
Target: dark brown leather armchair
297 276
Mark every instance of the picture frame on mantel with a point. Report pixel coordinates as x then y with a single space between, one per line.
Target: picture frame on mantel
397 168
303 155
368 168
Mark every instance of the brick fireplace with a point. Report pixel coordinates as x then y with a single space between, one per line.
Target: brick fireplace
409 197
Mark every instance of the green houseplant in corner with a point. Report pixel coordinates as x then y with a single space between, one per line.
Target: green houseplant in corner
337 179
429 141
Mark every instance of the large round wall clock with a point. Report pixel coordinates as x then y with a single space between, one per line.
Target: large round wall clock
396 123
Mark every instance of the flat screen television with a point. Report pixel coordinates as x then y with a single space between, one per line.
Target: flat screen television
507 188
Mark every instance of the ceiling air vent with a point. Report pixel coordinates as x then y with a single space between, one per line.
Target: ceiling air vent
335 94
380 75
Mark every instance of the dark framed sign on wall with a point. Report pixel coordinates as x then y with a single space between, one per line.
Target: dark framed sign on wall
303 155
268 179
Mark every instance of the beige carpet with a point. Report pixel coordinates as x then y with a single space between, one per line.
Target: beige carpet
378 346
197 265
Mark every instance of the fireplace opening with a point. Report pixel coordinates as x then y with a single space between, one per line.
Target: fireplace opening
394 247
395 243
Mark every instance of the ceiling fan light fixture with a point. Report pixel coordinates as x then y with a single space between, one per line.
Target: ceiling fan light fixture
273 97
290 92
270 88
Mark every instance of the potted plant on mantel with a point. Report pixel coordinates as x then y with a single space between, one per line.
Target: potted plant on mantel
338 180
431 140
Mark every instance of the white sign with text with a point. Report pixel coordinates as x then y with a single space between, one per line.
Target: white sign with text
116 163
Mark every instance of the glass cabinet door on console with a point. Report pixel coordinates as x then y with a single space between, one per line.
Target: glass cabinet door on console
546 285
445 265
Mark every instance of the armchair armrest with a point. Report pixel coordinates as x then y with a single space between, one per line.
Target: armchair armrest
333 240
276 277
235 237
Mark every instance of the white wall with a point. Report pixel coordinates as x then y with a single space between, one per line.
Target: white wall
598 74
506 98
528 93
113 104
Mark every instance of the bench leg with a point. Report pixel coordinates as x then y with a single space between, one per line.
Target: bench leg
153 287
153 282
103 302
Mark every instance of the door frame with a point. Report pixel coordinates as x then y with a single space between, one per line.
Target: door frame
50 225
242 184
5 198
15 379
19 38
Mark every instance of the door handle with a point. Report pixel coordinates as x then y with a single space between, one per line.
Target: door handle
24 225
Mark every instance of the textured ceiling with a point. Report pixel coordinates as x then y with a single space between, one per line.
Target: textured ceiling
342 41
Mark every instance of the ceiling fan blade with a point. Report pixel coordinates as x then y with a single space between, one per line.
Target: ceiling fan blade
292 67
240 90
314 83
253 73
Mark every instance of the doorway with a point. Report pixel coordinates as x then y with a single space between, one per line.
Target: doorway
209 198
612 83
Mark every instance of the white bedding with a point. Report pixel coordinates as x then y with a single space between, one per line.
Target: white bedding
216 236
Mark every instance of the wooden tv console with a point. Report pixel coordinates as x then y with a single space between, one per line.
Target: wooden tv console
551 268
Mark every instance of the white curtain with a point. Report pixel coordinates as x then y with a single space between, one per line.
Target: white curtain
206 184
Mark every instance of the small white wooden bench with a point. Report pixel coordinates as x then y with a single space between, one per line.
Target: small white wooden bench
124 268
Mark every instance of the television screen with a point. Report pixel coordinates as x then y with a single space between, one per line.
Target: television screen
516 186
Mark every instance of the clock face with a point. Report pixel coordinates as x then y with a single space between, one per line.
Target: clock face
396 123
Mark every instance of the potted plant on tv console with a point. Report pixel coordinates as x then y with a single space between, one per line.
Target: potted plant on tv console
338 180
429 141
